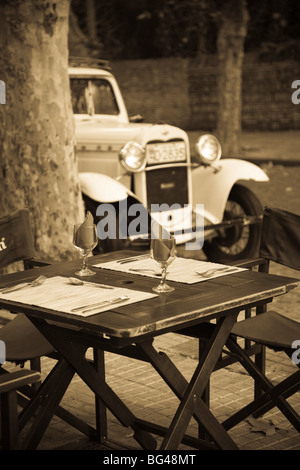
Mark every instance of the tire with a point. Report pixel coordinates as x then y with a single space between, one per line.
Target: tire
237 242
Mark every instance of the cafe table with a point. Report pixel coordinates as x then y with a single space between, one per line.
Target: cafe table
129 328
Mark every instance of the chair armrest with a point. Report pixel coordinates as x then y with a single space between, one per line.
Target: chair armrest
250 263
35 262
14 380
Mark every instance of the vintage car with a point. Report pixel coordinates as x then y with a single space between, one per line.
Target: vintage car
125 163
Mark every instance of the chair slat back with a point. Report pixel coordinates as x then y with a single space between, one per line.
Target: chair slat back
16 240
280 237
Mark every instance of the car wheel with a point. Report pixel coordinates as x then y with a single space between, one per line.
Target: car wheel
237 242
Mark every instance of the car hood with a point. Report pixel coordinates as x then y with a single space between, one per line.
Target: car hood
99 131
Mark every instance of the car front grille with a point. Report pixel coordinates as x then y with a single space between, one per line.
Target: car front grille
167 185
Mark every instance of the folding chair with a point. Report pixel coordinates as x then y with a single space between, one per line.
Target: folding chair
9 383
280 242
23 341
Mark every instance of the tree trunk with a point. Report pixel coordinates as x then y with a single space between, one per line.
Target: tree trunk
231 36
79 44
38 167
91 20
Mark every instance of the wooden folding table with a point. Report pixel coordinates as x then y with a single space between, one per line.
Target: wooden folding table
130 330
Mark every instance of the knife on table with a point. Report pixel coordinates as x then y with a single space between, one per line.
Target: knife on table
86 308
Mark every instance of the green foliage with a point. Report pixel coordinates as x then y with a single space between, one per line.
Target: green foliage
273 32
133 29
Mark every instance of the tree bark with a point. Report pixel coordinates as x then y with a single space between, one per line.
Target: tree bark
38 166
231 36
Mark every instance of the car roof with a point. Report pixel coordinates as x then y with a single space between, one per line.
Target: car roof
88 71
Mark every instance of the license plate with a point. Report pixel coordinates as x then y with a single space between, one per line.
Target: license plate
165 152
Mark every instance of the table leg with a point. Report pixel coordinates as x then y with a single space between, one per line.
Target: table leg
30 400
190 393
73 354
48 398
101 414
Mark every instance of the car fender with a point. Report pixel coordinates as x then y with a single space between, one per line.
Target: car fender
103 188
211 186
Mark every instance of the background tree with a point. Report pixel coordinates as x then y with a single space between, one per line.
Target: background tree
131 29
38 167
273 30
230 44
140 29
84 44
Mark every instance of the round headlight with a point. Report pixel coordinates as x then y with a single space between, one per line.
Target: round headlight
208 148
132 157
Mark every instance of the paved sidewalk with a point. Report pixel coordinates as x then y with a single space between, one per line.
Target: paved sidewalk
149 398
276 147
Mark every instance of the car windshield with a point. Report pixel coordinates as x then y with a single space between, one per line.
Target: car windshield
93 96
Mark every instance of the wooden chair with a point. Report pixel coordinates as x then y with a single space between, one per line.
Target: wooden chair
9 383
23 341
280 242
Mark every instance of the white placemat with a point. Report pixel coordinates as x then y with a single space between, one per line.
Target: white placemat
184 270
57 293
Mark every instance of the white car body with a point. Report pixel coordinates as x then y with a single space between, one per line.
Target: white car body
168 176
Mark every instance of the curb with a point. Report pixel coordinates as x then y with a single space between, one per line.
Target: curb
275 161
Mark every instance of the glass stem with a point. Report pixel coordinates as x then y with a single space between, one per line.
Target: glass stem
163 275
84 260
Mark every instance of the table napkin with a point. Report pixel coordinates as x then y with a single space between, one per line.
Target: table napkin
57 293
161 250
84 234
181 270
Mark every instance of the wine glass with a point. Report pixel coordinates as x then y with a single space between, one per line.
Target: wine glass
163 252
85 240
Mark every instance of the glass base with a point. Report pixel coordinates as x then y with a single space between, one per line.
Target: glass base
162 288
85 272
